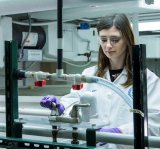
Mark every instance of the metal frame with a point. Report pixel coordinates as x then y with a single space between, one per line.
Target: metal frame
14 129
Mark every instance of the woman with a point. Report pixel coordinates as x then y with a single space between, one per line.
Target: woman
114 64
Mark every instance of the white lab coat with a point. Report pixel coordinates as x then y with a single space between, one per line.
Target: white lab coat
113 109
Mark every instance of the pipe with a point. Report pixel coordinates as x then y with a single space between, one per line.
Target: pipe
117 89
100 136
29 111
59 36
77 78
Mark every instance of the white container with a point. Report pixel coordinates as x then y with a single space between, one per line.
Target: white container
88 112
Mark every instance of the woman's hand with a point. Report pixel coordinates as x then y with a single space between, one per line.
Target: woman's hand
51 102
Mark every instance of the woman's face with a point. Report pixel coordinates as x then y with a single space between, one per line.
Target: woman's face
113 44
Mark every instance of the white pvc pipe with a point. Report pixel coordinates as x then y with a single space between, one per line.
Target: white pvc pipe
82 78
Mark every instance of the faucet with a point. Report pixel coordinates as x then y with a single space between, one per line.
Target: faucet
74 115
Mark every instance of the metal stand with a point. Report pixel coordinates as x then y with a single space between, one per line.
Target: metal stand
91 137
75 136
54 134
139 96
12 129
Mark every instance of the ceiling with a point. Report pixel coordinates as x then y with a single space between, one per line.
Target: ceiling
76 9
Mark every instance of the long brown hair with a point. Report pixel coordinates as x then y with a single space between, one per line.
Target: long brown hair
121 22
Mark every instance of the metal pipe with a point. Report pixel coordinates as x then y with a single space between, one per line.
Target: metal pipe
138 119
100 136
143 74
139 96
11 86
29 111
59 34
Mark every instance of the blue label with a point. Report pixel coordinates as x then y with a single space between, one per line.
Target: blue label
130 92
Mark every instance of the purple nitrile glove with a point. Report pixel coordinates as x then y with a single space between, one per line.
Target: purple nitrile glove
111 130
47 102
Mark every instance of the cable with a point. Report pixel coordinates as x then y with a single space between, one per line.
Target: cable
23 43
79 66
34 24
53 58
30 65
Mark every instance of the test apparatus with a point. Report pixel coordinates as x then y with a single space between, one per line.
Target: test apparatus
14 125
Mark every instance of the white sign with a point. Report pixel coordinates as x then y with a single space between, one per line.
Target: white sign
34 55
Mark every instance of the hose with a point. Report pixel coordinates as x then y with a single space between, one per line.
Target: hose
114 87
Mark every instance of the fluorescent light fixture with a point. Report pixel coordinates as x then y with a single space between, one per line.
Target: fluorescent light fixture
149 26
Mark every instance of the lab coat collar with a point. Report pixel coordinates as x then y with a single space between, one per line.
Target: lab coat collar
123 73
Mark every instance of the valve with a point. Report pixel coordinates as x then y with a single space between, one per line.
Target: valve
40 83
75 109
77 86
88 55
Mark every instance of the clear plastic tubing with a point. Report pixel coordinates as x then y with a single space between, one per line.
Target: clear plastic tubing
114 87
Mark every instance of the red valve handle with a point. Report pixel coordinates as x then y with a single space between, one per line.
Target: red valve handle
40 83
77 86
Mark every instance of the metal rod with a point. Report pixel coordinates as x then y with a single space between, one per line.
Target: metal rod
143 79
29 111
139 96
137 101
59 34
11 86
100 136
